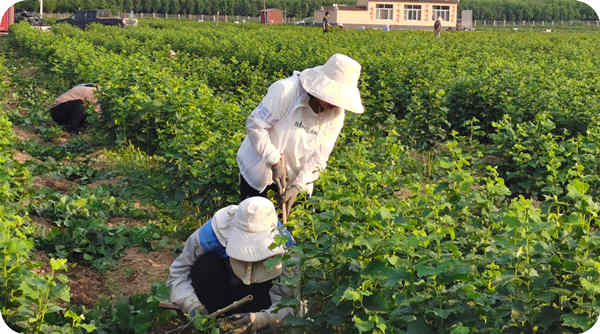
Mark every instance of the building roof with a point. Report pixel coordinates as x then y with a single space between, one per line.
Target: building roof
342 7
421 1
345 7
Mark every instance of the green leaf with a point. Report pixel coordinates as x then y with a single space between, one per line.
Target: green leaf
352 295
460 329
348 211
446 164
590 286
427 270
370 242
575 321
58 264
577 188
88 327
385 214
362 325
418 327
396 276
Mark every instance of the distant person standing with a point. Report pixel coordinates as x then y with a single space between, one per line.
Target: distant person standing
326 22
437 26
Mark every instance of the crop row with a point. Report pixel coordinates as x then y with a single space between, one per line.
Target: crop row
491 89
29 298
393 240
407 75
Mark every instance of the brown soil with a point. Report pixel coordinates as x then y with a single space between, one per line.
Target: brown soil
24 135
99 160
63 138
61 185
43 258
23 157
123 221
86 285
43 224
137 271
110 182
147 207
403 193
493 159
28 71
134 274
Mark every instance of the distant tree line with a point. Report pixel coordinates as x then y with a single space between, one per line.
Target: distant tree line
533 10
293 8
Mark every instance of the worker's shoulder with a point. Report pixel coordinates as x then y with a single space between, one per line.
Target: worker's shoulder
287 86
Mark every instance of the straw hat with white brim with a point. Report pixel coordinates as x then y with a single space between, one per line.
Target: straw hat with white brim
253 230
335 82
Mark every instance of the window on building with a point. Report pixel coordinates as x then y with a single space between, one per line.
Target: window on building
385 12
412 12
443 11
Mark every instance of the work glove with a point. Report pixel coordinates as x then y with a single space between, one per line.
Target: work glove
198 310
290 197
192 306
279 176
244 323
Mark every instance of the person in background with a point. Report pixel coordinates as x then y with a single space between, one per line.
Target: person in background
325 23
69 108
437 26
298 121
224 261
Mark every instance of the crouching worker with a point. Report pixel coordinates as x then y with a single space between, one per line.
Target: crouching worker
224 261
68 109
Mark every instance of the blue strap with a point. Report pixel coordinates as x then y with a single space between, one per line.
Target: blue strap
209 240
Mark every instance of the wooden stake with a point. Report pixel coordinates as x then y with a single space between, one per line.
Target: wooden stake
231 306
282 192
215 314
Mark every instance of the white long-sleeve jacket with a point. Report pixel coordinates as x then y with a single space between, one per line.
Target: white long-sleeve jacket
284 124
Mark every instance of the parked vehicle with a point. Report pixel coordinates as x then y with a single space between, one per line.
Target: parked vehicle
30 17
84 17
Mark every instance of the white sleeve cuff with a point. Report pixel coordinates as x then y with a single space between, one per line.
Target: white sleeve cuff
273 157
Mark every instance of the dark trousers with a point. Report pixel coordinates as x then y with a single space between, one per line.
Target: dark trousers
217 286
246 190
70 114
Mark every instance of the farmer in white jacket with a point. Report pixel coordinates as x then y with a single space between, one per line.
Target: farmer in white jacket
224 261
298 120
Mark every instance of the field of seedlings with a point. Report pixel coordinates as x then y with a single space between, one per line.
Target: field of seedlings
464 200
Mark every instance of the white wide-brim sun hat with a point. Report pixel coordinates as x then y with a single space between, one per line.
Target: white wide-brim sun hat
335 82
222 223
253 230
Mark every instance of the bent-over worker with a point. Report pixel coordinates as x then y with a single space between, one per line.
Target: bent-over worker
224 261
68 109
298 120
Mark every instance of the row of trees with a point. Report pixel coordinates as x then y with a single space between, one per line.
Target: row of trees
294 8
533 10
512 10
